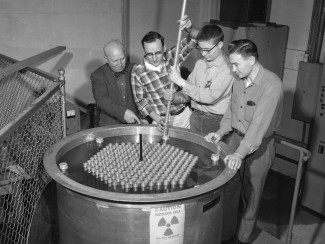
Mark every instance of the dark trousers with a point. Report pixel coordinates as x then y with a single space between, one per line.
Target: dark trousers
246 186
204 122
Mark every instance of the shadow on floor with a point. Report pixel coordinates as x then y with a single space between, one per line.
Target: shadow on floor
276 202
44 226
309 227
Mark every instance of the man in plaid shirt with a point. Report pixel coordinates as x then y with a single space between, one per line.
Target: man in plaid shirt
150 78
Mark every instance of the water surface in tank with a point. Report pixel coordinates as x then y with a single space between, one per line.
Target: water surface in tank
154 168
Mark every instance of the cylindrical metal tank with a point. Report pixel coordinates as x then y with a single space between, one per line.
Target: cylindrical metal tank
89 215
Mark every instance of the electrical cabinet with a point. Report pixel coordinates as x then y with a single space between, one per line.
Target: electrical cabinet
245 10
270 39
307 88
314 187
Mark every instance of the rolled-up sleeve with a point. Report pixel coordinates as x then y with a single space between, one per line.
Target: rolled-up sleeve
185 48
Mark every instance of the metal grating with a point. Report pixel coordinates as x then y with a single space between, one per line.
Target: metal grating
25 95
18 91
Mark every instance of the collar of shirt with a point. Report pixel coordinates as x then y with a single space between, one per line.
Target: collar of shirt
150 67
253 76
218 61
259 75
117 74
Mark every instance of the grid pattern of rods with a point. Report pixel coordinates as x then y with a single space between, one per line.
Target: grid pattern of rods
117 167
22 175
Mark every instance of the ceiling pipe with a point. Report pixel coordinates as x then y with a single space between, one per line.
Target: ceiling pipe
125 10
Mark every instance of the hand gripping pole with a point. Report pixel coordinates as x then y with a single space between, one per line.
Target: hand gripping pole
165 136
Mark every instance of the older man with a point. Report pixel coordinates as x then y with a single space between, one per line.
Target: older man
112 87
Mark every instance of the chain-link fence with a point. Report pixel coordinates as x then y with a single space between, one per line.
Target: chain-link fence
30 122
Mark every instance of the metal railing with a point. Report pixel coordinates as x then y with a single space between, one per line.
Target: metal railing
31 120
304 155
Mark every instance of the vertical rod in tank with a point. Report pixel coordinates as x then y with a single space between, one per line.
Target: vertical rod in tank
140 137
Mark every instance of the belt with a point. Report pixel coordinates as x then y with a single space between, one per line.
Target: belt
174 113
238 132
265 139
207 113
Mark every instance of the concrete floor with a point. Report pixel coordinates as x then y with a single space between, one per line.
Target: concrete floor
309 227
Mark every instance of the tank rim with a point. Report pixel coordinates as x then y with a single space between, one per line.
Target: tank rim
51 166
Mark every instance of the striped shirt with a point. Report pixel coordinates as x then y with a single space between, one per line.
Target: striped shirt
149 85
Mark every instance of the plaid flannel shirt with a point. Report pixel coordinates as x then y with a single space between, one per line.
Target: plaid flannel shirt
149 86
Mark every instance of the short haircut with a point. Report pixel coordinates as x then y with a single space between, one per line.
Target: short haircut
113 42
209 32
152 36
244 47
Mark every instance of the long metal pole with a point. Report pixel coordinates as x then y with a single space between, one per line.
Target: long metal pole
62 88
165 136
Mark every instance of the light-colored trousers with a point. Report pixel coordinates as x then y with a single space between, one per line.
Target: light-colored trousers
181 120
247 185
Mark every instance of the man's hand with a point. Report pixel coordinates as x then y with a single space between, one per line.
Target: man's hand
169 95
144 121
185 23
212 137
234 161
161 124
159 120
175 76
130 117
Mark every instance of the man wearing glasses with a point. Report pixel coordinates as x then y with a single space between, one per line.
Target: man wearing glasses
150 79
209 85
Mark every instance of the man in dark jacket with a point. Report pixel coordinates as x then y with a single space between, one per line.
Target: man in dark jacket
112 87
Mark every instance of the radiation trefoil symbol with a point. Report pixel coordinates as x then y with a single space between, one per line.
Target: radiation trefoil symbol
163 223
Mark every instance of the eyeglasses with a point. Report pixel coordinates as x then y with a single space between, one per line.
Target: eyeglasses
205 49
150 55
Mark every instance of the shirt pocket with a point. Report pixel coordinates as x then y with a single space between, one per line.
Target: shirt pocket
250 109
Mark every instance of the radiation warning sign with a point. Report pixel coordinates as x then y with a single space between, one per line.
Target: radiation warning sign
167 225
